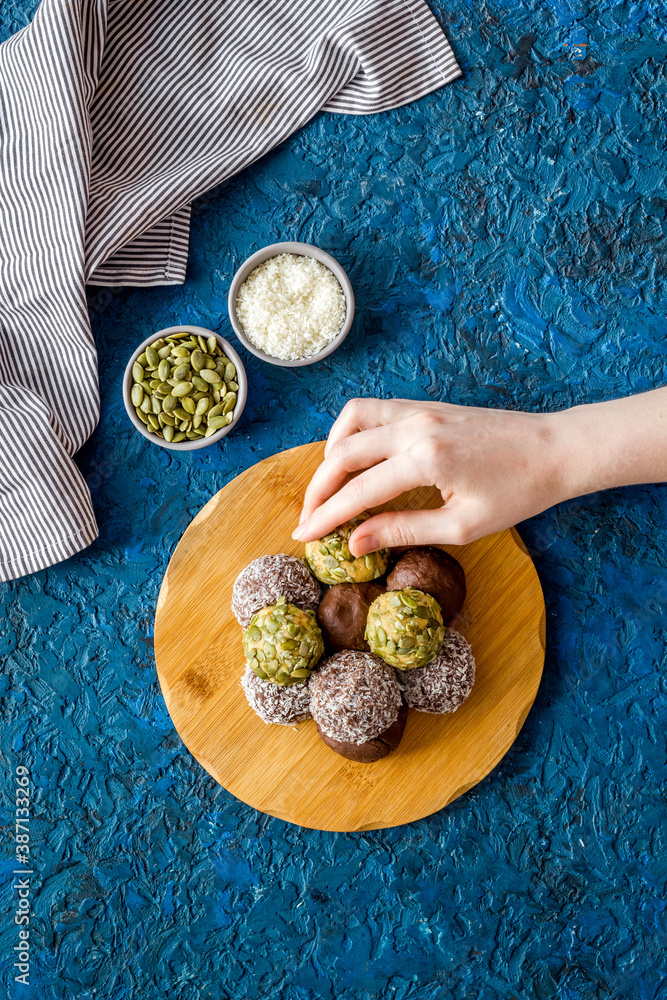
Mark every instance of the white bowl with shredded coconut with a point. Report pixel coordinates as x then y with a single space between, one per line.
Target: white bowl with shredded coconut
291 304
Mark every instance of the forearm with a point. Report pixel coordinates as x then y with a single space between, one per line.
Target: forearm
617 443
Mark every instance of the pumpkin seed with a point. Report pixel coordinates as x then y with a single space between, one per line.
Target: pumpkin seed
209 375
229 405
211 344
167 418
142 360
147 404
153 421
200 384
209 363
197 360
189 405
136 395
164 352
152 357
180 352
142 416
182 389
157 405
181 373
137 372
230 372
381 635
300 672
202 406
178 437
168 433
233 386
217 422
196 421
164 370
169 403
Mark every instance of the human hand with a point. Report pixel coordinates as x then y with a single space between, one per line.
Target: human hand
492 467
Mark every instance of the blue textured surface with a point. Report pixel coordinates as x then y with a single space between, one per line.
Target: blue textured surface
506 238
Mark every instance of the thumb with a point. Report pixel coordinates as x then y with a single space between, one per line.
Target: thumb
403 527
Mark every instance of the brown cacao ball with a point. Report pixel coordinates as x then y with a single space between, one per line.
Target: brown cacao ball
342 614
433 571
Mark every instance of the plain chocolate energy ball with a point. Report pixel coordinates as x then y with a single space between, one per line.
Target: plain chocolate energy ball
342 614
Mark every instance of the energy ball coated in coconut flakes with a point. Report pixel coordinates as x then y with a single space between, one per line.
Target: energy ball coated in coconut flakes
291 306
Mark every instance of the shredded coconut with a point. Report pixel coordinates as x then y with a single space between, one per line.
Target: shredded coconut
291 306
266 579
284 706
443 684
354 696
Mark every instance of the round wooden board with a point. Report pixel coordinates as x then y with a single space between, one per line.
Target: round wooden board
288 772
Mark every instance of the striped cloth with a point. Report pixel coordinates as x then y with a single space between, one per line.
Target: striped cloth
114 115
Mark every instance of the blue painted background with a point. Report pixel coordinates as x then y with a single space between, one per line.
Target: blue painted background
507 239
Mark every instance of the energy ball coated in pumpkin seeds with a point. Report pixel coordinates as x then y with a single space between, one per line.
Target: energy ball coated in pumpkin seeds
405 628
283 643
332 562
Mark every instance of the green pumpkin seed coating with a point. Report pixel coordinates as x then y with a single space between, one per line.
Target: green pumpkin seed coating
405 628
331 561
285 640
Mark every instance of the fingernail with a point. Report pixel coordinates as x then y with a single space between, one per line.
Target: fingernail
301 528
302 518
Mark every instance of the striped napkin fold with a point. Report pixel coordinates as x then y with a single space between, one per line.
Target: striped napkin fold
114 115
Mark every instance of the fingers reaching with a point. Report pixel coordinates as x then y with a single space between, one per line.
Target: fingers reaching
373 487
404 527
347 457
364 414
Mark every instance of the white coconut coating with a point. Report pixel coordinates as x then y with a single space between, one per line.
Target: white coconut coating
442 685
283 706
266 579
354 696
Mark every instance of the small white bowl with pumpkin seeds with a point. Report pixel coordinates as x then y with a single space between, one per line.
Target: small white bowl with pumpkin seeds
184 388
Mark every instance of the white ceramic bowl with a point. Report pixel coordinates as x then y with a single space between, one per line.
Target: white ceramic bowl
305 250
240 396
